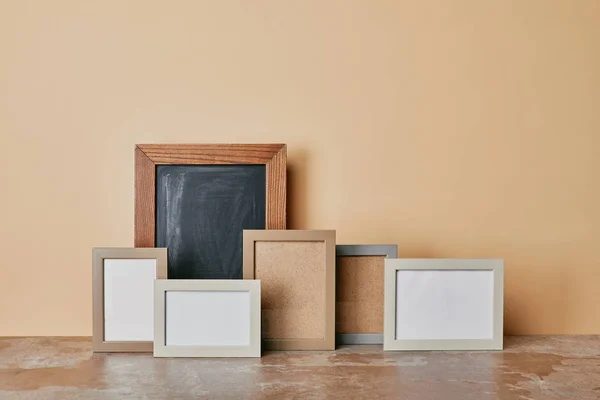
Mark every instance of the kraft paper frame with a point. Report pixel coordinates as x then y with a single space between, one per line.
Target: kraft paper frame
389 331
99 254
358 250
294 236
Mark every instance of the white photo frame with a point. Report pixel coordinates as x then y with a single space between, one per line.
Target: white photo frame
443 304
207 318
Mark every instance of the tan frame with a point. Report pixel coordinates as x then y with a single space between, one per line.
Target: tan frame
253 236
162 286
99 254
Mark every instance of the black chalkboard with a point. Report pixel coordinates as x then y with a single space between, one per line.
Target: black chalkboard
201 211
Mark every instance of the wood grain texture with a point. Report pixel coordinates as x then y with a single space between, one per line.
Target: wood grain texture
276 190
145 178
148 156
211 153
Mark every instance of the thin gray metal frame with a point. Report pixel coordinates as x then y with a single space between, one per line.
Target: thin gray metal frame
358 250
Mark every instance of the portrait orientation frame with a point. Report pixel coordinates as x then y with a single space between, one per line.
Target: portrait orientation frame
148 156
394 265
161 287
362 250
328 238
99 254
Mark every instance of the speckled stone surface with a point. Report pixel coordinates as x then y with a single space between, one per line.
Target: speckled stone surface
531 367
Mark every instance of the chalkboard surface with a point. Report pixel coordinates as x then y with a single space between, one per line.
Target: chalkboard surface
201 211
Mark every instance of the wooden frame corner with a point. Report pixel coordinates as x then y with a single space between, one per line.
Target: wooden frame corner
148 156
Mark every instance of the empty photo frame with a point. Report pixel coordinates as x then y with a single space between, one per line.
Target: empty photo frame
297 273
359 292
207 318
443 304
123 297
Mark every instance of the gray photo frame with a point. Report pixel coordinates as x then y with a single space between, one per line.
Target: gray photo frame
389 336
162 349
362 250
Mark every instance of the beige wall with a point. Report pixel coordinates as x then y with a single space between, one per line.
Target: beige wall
452 128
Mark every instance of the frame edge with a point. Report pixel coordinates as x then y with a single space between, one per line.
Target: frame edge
493 344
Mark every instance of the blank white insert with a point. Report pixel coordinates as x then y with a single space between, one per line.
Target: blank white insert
442 304
129 300
207 318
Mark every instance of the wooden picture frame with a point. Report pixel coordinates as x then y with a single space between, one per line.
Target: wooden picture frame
274 292
206 319
450 332
359 250
150 157
99 256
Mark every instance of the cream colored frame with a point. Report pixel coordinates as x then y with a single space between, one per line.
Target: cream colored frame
99 254
328 237
161 287
389 329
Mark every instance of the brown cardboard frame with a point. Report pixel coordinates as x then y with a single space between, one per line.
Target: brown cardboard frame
99 254
148 156
326 236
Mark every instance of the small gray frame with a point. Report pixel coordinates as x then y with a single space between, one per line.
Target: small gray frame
389 332
162 286
358 250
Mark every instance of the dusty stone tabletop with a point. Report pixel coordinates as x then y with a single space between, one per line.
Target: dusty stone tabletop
530 367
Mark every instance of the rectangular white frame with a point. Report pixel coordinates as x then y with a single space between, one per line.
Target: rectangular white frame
389 330
161 287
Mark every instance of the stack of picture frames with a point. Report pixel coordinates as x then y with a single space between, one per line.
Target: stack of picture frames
215 273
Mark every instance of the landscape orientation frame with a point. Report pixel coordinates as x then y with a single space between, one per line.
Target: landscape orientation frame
162 287
496 266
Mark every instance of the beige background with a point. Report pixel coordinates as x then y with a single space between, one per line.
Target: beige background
452 128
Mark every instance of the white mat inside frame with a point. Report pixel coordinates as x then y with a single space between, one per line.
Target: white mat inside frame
444 304
128 299
214 318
